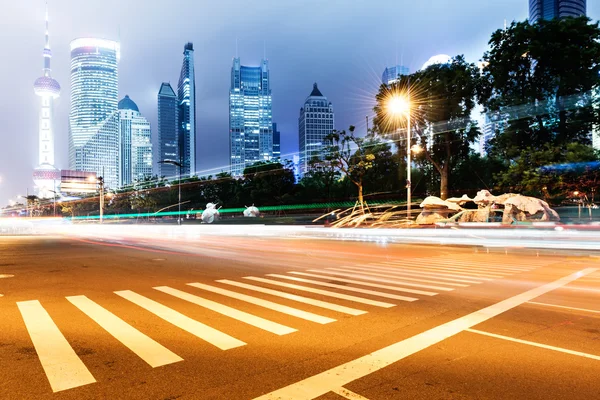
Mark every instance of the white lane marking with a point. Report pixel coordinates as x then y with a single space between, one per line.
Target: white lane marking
442 273
231 312
510 264
344 287
370 276
266 303
472 272
370 284
472 265
198 329
63 367
4 276
404 277
147 349
301 299
348 394
568 308
327 293
318 385
418 272
543 346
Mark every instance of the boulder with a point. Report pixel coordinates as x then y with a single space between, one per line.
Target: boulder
435 203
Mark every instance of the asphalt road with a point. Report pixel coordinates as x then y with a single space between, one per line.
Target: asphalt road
90 318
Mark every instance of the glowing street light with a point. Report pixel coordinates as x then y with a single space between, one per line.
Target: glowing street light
398 106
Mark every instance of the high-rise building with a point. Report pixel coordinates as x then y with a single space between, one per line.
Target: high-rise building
315 123
391 74
94 117
276 143
550 9
135 158
186 95
168 133
46 176
250 116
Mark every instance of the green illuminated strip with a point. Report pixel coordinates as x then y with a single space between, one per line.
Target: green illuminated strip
343 204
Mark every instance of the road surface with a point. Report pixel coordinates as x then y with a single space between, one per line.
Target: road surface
293 318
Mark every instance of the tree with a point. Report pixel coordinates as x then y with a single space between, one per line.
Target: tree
348 154
265 182
540 81
442 98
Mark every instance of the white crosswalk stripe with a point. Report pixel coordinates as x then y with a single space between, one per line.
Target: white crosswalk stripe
396 272
345 287
471 272
365 275
231 312
146 348
323 292
417 272
266 303
301 299
481 262
362 283
445 272
63 367
205 332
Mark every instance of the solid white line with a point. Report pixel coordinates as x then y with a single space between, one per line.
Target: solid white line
198 329
419 272
471 272
344 287
450 272
146 348
370 284
301 299
231 312
397 273
568 308
365 275
63 367
323 292
267 304
348 394
341 375
543 346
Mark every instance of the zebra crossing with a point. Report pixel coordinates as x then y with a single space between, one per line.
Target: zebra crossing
348 290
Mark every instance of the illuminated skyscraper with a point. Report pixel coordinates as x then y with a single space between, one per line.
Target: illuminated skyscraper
316 121
135 158
250 116
550 9
276 143
186 95
94 117
168 135
46 176
391 74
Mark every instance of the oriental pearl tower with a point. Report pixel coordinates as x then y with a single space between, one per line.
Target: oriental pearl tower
46 177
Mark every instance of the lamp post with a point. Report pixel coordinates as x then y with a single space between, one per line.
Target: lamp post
54 205
177 164
399 105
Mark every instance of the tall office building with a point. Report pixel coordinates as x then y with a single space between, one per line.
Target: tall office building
276 143
45 176
315 123
168 132
186 95
250 116
550 9
135 158
391 74
94 117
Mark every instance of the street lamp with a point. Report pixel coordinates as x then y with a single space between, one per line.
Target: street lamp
177 164
55 193
398 106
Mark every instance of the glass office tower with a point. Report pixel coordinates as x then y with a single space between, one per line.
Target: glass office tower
391 74
168 133
550 9
186 95
316 121
135 161
250 116
94 118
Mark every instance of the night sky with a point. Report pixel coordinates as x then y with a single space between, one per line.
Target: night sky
343 45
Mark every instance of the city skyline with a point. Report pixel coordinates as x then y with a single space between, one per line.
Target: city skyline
350 88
